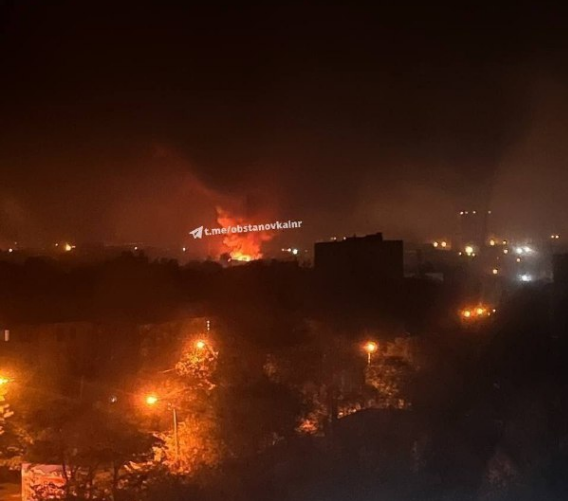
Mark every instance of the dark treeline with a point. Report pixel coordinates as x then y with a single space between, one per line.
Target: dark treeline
133 288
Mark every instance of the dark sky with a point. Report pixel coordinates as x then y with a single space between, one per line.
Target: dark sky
123 121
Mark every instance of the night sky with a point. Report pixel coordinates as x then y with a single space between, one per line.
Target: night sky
130 122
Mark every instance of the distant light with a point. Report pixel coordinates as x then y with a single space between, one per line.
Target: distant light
518 260
466 313
113 399
295 252
151 399
519 250
480 310
527 249
444 244
435 244
492 243
136 248
56 245
68 247
505 251
371 347
461 213
525 278
505 242
469 250
10 250
488 212
183 249
474 212
555 236
495 271
200 344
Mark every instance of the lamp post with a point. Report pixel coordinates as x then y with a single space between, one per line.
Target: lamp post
202 344
370 347
152 400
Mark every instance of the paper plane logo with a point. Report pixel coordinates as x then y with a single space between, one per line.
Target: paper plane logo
197 233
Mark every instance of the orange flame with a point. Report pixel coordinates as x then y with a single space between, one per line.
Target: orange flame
241 246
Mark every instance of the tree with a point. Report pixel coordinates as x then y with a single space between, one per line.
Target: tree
93 447
190 392
5 411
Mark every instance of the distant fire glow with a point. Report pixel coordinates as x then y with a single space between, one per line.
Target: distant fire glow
241 246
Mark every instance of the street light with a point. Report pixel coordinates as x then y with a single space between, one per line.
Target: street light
370 347
201 344
151 400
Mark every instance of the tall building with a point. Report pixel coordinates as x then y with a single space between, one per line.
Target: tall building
360 279
559 306
472 229
368 258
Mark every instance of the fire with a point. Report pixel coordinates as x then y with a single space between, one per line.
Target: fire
241 246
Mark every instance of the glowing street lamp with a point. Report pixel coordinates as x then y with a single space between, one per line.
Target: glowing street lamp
151 400
477 313
201 345
370 347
